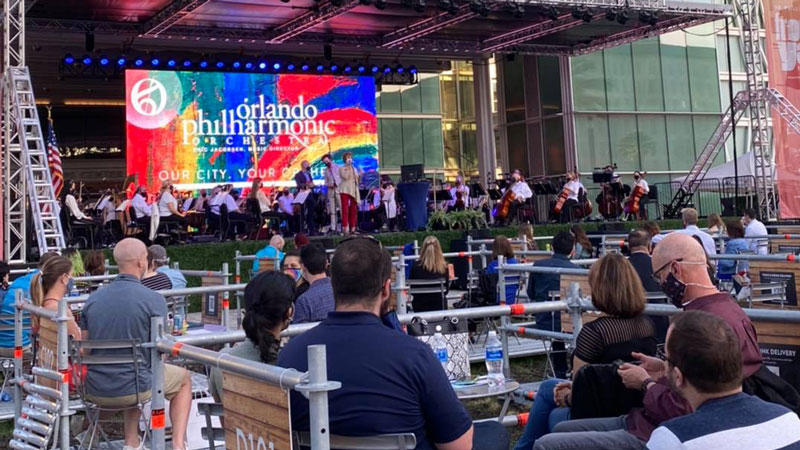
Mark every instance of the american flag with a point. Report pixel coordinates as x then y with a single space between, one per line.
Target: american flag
54 159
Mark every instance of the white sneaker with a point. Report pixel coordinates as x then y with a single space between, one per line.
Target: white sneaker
140 447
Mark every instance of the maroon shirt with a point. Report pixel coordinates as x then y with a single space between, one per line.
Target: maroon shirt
661 403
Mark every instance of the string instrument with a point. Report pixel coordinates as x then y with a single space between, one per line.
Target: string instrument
460 198
585 210
502 207
610 206
562 198
632 205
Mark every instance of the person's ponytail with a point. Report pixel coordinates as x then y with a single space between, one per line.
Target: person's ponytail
258 330
36 289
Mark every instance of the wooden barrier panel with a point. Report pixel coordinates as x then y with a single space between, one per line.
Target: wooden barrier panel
778 271
47 351
583 281
212 302
256 414
785 245
780 349
266 265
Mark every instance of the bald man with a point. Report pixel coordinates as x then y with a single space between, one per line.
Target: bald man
123 311
679 266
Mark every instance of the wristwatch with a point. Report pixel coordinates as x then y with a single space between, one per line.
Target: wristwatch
646 383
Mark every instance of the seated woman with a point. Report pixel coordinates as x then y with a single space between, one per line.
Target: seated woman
737 244
49 286
502 247
168 206
268 303
430 266
618 293
525 233
583 246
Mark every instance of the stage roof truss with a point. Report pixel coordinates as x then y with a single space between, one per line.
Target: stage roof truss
170 15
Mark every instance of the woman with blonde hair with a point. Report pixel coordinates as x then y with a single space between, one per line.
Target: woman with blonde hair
623 329
49 286
526 233
716 227
430 266
257 194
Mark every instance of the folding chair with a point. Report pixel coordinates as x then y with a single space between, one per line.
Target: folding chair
424 287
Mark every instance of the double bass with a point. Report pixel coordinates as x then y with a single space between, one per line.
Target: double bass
610 206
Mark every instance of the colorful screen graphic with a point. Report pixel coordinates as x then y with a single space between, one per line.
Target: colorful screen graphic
200 129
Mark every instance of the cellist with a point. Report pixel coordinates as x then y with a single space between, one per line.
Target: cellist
573 187
640 189
522 192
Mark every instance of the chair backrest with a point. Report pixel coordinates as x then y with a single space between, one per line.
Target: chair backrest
435 286
267 265
114 352
399 441
210 432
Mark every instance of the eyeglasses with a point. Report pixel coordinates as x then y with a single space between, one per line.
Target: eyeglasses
655 276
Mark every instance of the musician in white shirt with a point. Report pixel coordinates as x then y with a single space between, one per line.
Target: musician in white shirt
459 190
286 209
522 192
140 206
168 206
389 203
332 182
639 181
574 188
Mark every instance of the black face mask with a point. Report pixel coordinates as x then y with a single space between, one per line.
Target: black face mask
675 290
636 178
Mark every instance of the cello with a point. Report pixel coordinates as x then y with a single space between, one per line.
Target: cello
563 196
632 203
502 207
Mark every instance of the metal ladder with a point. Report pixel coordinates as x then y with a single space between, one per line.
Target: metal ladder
44 208
697 173
35 427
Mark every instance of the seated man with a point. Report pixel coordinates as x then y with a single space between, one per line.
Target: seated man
122 310
314 304
273 250
391 382
704 363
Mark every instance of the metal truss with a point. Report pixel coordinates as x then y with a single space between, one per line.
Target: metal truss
14 187
309 20
533 31
430 25
169 16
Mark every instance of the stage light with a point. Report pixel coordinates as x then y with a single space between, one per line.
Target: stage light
69 59
365 2
237 64
320 67
139 62
155 61
399 68
611 14
171 63
551 12
262 65
220 64
304 67
121 61
203 64
479 7
387 69
412 70
104 61
327 52
290 67
622 16
276 66
374 69
380 4
187 63
582 13
348 68
648 17
334 68
87 60
248 65
361 68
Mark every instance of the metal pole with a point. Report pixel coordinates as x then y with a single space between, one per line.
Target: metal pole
17 353
469 242
416 247
603 245
402 300
157 408
504 320
63 368
575 310
237 278
225 296
318 400
483 256
733 120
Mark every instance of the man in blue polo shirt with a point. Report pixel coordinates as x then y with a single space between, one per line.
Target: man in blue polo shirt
391 382
273 250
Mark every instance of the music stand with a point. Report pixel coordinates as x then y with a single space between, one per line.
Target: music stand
476 190
495 194
442 195
551 188
601 176
502 183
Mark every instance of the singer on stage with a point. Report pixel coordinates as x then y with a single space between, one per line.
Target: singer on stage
348 191
332 182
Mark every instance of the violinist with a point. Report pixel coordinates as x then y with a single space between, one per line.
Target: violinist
460 195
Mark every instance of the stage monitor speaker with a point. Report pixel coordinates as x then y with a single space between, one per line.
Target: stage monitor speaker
743 203
612 227
412 172
479 233
324 241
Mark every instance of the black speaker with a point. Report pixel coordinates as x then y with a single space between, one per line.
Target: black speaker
89 41
479 233
460 265
324 241
612 227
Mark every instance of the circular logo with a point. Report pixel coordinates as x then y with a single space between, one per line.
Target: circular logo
148 97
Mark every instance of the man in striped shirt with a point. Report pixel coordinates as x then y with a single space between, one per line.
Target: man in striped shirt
704 364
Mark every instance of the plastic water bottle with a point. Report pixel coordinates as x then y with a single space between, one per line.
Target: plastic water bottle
440 348
7 396
494 361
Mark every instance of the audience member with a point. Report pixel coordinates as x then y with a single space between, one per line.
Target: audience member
502 247
753 227
654 231
157 281
315 304
430 266
639 244
689 216
268 309
49 286
294 268
715 225
583 246
398 376
622 330
161 264
525 233
95 263
123 311
75 258
704 364
301 240
271 251
539 287
22 284
734 246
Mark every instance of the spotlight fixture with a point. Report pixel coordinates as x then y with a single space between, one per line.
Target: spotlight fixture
104 60
418 5
334 68
582 13
262 65
399 68
348 68
248 65
236 64
276 66
69 59
412 70
380 4
290 67
203 64
87 60
304 67
187 63
365 2
647 17
387 69
551 12
320 67
171 62
361 68
220 64
121 61
622 16
611 14
139 62
155 62
374 69
337 2
479 7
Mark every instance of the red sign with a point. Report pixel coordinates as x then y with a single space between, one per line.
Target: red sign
782 20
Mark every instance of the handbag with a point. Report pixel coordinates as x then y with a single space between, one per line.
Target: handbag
456 336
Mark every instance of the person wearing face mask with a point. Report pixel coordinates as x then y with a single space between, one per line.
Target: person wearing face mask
315 304
268 311
141 207
49 286
123 311
294 268
643 190
676 261
349 193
